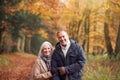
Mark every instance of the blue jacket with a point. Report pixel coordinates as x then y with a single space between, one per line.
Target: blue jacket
74 61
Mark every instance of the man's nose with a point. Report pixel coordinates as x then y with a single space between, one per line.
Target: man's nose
62 38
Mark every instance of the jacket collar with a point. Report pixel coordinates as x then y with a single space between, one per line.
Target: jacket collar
72 46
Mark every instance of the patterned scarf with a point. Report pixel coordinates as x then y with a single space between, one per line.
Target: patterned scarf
47 61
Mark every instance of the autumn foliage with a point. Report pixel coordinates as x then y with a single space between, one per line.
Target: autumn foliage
17 66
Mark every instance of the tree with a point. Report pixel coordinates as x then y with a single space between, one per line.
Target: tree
116 11
117 48
108 40
6 7
113 9
24 25
36 41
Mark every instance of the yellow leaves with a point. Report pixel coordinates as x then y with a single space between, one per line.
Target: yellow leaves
21 5
39 7
43 33
106 6
43 8
47 9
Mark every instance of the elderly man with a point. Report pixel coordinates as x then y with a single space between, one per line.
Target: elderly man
68 58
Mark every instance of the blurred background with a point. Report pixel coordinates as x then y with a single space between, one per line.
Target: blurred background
95 24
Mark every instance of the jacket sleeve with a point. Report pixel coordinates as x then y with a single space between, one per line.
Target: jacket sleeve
79 64
54 66
37 72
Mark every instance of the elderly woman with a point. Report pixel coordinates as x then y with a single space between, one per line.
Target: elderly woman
41 68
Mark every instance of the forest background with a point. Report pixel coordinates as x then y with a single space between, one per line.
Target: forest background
95 24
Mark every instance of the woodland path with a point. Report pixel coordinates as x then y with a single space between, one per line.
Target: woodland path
19 67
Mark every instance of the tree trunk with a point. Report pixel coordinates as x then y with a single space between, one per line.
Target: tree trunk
78 29
117 48
28 45
21 42
87 30
83 44
108 40
7 42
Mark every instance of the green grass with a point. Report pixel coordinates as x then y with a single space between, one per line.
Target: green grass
100 68
4 60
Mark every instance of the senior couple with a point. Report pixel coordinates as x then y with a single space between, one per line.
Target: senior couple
65 62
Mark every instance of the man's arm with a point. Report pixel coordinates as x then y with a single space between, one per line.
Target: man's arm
54 67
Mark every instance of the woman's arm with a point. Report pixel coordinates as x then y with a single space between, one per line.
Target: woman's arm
40 74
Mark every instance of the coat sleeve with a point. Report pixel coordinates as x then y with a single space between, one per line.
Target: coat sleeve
37 72
79 64
54 66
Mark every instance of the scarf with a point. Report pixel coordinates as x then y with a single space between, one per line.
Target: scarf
47 61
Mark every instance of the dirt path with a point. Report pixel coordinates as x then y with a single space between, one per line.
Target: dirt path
19 68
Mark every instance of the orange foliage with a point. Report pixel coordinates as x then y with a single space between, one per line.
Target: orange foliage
45 8
43 33
19 68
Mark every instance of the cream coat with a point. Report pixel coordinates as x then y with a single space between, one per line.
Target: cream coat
40 71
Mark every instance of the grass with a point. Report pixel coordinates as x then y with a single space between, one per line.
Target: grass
99 67
4 61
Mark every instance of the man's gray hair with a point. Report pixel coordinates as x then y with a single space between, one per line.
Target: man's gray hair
62 31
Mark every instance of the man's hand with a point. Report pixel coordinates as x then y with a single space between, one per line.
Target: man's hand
53 70
62 70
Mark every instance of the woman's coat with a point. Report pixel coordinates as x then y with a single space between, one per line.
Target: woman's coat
40 71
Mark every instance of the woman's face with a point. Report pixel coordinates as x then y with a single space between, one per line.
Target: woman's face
46 50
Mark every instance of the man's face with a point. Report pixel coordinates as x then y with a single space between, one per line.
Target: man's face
63 38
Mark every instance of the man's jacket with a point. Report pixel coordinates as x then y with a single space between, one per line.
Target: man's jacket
73 62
